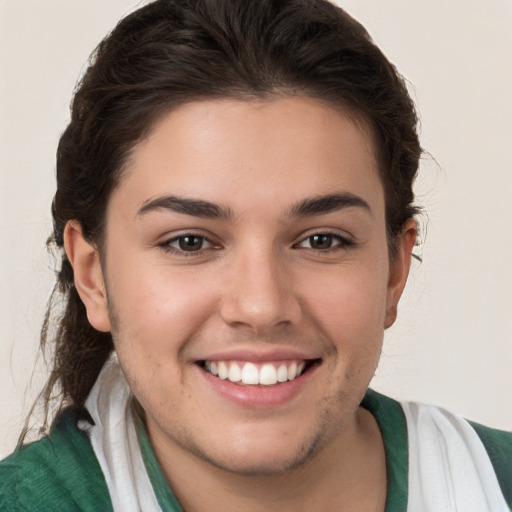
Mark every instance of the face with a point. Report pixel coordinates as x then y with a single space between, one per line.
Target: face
248 279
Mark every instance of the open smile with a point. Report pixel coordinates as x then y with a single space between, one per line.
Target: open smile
253 373
258 384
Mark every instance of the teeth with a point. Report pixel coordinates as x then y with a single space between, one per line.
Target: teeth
292 371
234 374
267 374
282 373
223 370
250 374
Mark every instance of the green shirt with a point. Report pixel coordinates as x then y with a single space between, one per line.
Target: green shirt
61 472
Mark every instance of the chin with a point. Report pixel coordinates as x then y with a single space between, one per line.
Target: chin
257 460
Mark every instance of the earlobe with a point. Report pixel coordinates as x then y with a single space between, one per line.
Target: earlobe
399 270
88 275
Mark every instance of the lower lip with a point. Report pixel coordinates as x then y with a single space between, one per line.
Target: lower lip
258 397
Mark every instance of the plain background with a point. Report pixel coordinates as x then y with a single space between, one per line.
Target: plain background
452 344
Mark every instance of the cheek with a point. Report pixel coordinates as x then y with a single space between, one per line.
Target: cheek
157 309
350 306
158 313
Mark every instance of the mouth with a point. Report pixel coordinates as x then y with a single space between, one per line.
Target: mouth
249 373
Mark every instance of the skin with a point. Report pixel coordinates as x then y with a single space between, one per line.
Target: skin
257 283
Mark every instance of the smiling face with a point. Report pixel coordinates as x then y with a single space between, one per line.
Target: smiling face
248 280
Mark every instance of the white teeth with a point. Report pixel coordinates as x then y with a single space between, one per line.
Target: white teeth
223 370
268 375
234 374
282 373
250 374
292 371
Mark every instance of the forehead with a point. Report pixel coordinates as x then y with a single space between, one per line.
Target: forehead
243 153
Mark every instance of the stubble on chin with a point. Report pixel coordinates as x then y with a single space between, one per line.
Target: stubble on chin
321 435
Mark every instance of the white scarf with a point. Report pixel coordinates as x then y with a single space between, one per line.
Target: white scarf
114 440
449 469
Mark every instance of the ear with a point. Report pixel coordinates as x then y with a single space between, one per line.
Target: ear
89 282
399 270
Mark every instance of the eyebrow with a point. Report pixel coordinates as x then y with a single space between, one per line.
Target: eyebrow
194 207
199 208
329 203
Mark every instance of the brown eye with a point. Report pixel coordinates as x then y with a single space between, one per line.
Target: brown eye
190 243
324 242
320 242
187 244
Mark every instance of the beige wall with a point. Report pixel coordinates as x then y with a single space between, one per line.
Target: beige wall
453 344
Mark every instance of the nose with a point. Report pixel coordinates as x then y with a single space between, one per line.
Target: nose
260 293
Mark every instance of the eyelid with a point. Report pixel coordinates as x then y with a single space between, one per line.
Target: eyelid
167 242
338 233
344 240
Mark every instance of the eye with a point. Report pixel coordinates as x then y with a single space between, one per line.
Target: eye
324 242
187 243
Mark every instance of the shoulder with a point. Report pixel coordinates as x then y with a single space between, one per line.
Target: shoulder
498 444
435 457
59 472
472 452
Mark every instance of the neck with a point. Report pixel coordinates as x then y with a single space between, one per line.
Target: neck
348 474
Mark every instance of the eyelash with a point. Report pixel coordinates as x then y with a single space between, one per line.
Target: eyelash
340 243
167 245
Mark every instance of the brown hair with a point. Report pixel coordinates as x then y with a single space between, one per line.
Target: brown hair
174 51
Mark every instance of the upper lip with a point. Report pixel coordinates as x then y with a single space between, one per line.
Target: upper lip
256 356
